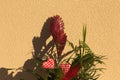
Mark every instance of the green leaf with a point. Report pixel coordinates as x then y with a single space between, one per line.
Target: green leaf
71 44
84 32
59 73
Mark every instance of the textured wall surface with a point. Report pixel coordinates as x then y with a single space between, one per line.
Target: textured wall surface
21 20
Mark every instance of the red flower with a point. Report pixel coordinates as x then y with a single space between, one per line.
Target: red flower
65 78
65 67
72 72
49 64
57 31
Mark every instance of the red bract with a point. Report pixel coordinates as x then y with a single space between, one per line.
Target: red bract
65 78
57 31
65 67
49 64
72 72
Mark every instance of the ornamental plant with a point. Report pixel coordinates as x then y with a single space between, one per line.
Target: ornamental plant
79 63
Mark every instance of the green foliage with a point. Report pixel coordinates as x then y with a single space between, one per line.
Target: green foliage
87 59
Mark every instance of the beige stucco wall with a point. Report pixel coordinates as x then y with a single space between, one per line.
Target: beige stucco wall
21 20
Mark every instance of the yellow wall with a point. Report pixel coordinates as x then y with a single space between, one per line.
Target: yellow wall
21 20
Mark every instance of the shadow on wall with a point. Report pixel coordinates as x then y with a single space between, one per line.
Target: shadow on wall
40 47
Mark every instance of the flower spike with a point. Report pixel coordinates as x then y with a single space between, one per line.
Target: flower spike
57 31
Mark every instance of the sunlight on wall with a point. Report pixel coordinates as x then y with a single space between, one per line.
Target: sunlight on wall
21 20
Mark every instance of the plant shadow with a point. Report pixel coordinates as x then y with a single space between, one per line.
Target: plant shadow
40 47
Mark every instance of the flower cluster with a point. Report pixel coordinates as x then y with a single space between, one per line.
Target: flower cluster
79 65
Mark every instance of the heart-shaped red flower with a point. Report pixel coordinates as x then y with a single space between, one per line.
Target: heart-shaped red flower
65 67
48 64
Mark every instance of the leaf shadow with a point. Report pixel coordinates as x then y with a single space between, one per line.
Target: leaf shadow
40 47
